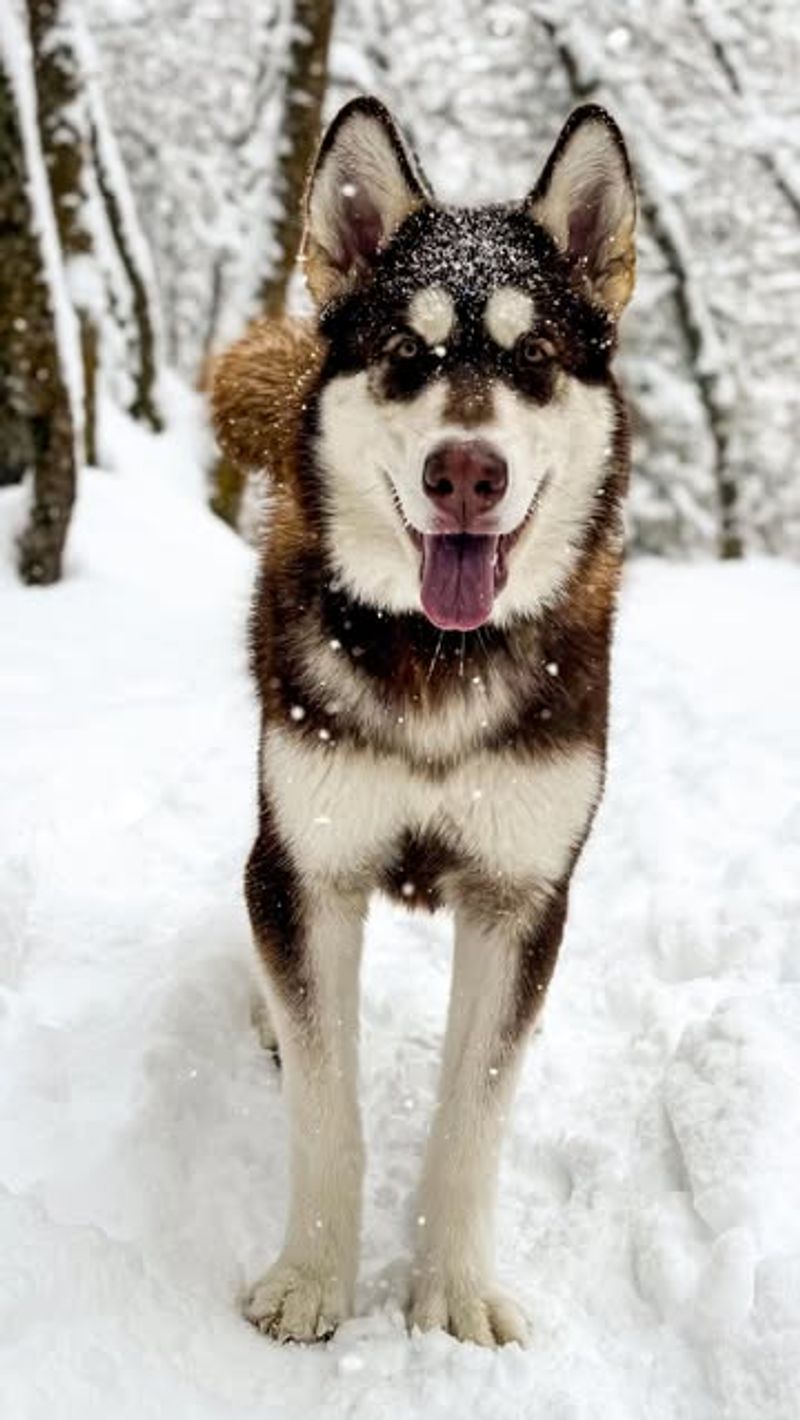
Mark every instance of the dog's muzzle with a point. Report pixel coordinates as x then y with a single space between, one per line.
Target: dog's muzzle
462 564
464 480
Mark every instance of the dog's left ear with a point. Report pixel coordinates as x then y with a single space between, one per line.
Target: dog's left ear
363 185
587 201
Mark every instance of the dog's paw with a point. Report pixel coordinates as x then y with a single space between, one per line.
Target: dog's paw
469 1311
296 1304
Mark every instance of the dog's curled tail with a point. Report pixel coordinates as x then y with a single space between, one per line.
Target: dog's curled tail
258 390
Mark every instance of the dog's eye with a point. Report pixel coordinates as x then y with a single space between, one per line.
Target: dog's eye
403 346
530 351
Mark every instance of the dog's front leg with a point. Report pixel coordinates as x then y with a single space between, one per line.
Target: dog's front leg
310 943
501 969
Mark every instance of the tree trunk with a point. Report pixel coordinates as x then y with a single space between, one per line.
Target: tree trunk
144 405
306 78
62 127
693 318
16 441
34 391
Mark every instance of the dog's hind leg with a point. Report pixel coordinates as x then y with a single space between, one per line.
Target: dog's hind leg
310 944
501 969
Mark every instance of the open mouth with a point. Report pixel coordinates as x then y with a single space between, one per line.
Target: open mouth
463 573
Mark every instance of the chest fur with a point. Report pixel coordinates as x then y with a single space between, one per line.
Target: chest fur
344 812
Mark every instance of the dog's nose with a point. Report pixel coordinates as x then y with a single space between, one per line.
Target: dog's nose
465 479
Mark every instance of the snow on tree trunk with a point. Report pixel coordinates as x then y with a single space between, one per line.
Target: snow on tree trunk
39 336
131 292
105 257
62 126
135 262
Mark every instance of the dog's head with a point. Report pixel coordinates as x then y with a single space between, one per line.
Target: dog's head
466 414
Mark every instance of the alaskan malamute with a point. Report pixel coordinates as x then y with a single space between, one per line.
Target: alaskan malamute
430 640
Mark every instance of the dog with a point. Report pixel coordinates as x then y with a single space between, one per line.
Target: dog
449 453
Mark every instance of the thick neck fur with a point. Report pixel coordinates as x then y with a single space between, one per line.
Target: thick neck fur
339 671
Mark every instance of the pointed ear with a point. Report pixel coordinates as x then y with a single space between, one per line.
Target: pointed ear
363 185
586 200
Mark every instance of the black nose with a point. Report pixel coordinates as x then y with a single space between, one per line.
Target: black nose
465 479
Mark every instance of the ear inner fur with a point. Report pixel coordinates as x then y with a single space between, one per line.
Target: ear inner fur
363 184
589 172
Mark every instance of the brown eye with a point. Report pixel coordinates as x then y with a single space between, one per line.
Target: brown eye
531 350
403 346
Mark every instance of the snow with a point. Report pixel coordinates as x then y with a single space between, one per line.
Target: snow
648 1200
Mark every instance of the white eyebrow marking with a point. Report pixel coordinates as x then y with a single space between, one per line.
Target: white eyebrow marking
431 314
508 313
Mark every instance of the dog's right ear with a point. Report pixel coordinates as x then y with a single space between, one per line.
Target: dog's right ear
363 185
587 201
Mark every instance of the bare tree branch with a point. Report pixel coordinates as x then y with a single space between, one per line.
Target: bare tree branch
736 84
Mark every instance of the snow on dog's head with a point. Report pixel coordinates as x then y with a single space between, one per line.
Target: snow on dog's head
467 414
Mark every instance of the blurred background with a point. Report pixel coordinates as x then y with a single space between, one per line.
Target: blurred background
152 158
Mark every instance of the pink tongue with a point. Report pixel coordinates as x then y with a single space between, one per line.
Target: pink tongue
458 579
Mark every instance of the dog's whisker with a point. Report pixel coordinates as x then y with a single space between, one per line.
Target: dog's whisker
435 656
484 645
396 498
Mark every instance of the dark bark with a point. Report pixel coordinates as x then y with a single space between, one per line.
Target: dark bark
16 439
41 545
90 359
64 144
583 89
34 399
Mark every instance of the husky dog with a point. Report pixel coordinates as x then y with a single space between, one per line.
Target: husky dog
430 641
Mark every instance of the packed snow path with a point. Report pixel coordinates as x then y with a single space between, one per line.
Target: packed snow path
648 1209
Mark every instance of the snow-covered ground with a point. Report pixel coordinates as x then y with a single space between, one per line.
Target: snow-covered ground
649 1195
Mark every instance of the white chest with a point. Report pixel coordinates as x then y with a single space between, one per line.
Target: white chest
342 810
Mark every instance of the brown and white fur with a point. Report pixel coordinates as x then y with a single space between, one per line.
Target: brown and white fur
433 711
